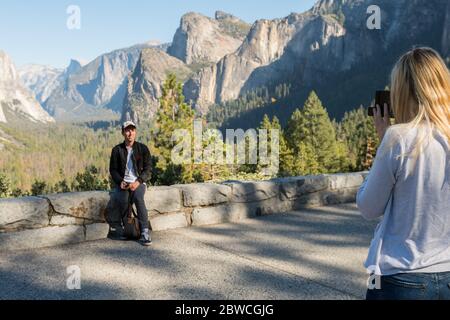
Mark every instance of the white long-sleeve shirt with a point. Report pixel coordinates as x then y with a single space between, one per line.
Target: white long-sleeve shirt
413 198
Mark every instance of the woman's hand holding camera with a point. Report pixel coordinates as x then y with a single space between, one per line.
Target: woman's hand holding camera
381 123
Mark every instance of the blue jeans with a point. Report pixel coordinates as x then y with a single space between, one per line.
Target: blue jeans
412 286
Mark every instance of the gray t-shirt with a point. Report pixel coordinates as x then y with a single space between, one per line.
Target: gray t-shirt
130 173
413 196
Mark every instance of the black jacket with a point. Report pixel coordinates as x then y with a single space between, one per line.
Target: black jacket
141 161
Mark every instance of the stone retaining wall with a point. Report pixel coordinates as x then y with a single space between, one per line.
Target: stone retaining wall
34 222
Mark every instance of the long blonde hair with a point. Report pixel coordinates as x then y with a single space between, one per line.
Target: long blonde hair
420 93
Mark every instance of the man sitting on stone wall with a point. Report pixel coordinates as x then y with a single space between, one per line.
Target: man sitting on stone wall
130 168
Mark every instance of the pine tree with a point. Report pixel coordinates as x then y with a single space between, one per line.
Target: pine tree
369 154
5 186
172 114
318 132
357 129
89 180
342 162
213 153
287 160
311 133
305 161
18 193
294 132
267 125
38 188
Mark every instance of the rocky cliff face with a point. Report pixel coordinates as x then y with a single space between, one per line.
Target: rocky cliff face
96 91
328 43
43 80
74 67
145 83
199 42
202 40
266 43
15 98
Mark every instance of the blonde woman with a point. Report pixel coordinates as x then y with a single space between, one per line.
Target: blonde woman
409 184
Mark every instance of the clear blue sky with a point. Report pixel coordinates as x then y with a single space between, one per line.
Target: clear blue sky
36 31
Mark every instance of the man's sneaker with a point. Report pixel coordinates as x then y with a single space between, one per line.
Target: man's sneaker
145 239
116 233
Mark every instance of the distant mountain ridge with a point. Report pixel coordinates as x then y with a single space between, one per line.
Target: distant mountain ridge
15 97
94 91
43 80
328 49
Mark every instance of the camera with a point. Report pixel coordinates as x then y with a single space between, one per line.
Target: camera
382 97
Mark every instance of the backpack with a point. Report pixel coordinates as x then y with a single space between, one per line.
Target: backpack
131 228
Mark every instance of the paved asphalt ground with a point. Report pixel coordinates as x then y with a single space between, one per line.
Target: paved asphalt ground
310 254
